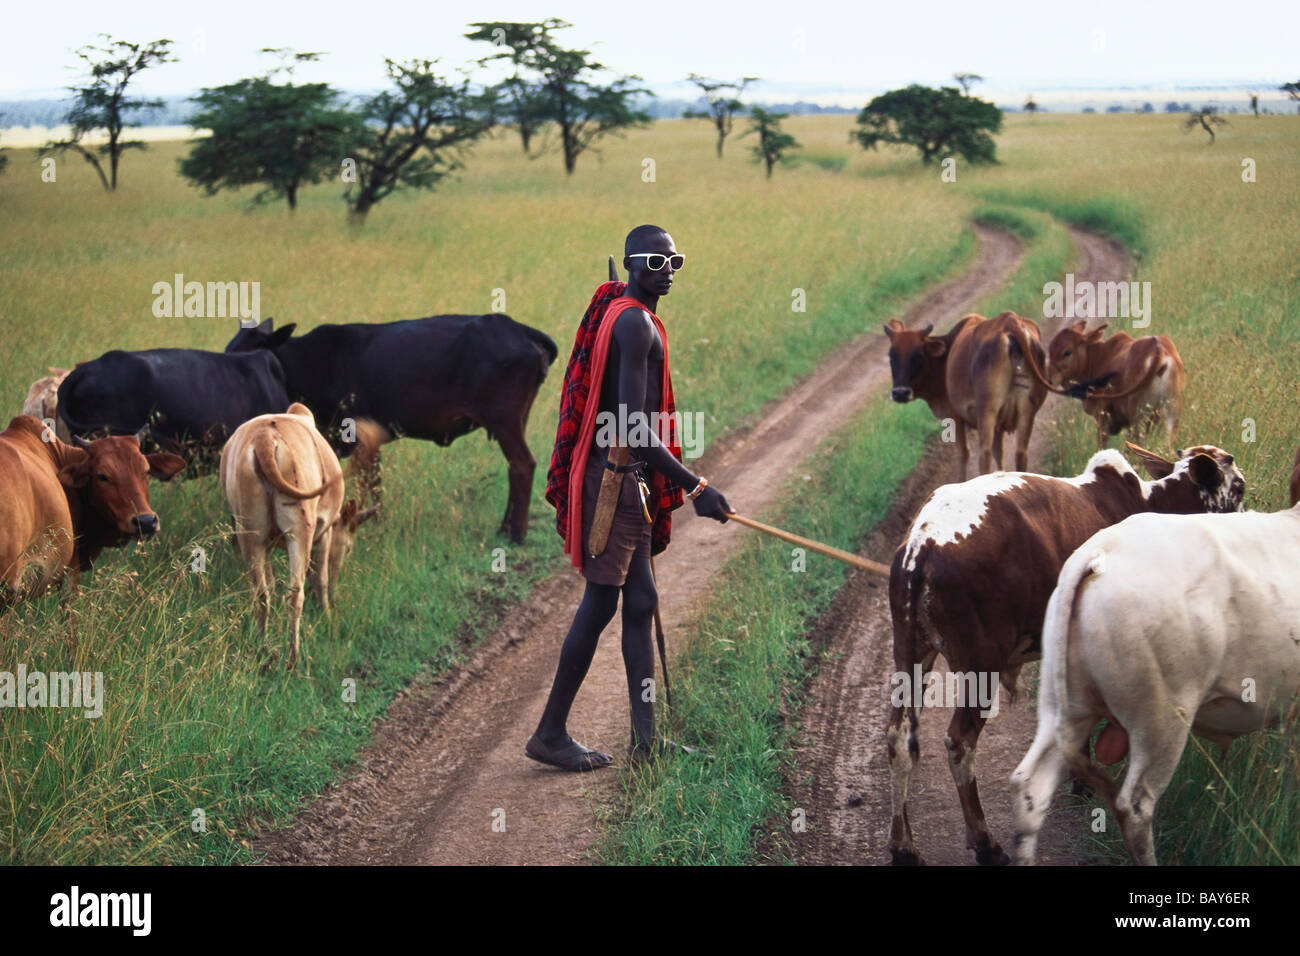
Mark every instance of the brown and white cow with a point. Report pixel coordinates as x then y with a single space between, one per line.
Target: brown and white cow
284 486
43 401
975 375
1161 625
61 505
973 577
1130 383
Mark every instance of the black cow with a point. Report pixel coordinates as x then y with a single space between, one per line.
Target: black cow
435 378
189 400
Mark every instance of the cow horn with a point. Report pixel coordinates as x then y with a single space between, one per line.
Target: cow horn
928 329
1145 453
139 436
80 442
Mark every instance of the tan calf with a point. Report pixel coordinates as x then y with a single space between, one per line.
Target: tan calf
1133 382
284 486
43 401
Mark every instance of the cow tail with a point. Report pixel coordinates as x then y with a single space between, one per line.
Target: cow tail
264 454
1020 343
1153 369
1057 627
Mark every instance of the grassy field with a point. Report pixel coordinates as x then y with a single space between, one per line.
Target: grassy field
190 722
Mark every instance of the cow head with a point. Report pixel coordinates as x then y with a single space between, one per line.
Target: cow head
915 357
1067 356
264 336
350 518
114 475
1202 479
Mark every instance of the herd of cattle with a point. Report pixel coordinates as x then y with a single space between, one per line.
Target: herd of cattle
1156 606
1152 604
73 484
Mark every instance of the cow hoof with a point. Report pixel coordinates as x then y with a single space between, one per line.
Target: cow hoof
992 856
905 857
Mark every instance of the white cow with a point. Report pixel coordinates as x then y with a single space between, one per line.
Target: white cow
1161 624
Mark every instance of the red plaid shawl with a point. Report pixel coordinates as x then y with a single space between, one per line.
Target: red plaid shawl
577 426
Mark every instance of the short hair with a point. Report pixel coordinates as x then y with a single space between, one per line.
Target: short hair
640 235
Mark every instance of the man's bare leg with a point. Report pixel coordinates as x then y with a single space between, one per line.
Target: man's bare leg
639 601
551 742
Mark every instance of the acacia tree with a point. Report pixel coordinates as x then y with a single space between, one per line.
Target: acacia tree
1206 118
103 102
282 136
1292 90
723 101
4 160
523 106
567 90
1031 107
772 141
413 136
938 122
967 80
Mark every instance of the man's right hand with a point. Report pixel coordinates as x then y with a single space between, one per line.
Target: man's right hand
711 504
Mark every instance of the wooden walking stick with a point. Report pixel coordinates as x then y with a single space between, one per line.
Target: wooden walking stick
875 567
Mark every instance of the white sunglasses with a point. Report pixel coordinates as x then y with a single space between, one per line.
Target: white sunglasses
655 261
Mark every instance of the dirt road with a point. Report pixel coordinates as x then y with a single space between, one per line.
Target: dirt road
843 750
447 762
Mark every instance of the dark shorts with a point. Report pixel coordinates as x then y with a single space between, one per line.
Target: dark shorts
629 534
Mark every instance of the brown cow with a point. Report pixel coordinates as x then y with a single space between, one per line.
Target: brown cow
972 581
61 505
1145 378
284 486
975 375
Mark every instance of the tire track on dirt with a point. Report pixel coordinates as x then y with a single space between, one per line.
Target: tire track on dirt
841 748
449 755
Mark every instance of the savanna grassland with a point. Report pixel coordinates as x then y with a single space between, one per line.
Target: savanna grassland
191 722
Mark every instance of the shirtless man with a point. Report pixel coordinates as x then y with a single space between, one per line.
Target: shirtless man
632 379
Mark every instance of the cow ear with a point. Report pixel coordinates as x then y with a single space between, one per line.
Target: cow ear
366 515
1205 472
281 335
936 348
163 465
1155 466
1095 334
266 326
76 472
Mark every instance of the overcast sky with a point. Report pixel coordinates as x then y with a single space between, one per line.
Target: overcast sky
802 48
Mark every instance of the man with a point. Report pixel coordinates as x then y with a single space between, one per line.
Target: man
621 359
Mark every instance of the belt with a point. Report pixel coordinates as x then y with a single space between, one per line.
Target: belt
623 469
